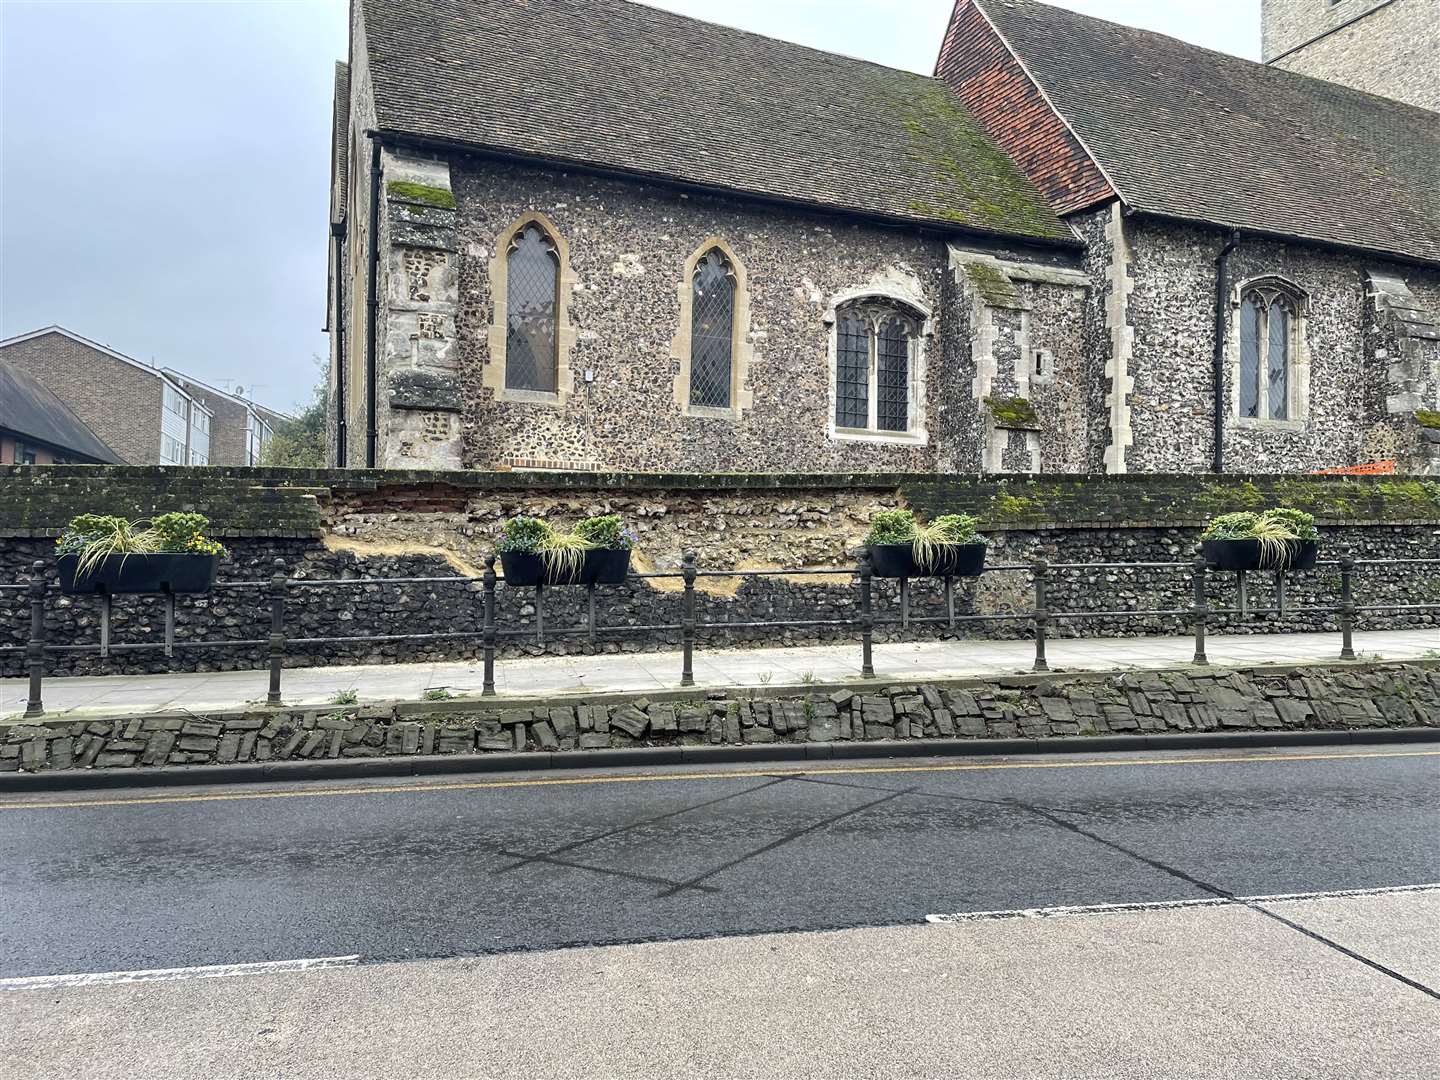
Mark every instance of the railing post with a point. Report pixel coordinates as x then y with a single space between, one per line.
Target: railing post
1347 607
867 617
277 630
488 632
687 619
1201 609
35 649
1039 569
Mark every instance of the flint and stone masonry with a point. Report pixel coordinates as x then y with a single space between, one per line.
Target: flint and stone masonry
1149 703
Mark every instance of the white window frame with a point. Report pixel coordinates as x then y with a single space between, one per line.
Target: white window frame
877 302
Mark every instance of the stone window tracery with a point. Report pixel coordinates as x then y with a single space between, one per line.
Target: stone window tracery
712 344
712 331
530 336
1268 347
533 302
876 355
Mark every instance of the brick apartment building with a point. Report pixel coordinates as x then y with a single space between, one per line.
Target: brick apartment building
144 414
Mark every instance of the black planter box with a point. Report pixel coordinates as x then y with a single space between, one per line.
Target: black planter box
1245 555
601 566
951 560
172 572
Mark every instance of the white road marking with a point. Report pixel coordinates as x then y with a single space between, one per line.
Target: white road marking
1167 905
211 971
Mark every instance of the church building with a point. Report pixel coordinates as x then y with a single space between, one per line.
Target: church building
595 235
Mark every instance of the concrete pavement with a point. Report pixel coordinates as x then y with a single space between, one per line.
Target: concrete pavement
1202 993
714 669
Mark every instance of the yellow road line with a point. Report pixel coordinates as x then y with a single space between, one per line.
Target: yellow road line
644 778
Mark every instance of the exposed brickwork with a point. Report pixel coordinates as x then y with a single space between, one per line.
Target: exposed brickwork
977 65
118 401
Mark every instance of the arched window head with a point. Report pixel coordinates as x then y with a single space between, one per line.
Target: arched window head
712 331
532 352
875 359
1267 351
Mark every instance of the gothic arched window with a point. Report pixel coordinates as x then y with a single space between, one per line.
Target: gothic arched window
712 331
532 339
875 357
1267 351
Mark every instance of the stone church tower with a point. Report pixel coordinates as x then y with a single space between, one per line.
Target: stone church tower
1387 47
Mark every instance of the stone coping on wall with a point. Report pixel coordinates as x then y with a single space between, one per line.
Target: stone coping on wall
38 500
1001 715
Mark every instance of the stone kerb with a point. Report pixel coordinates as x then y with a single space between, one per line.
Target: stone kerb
1332 699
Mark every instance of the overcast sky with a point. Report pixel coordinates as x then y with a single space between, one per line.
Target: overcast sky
164 167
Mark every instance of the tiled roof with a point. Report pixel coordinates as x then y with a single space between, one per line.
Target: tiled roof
30 408
621 86
1190 133
339 141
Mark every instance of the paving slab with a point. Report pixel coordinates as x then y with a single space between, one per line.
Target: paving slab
1194 993
714 669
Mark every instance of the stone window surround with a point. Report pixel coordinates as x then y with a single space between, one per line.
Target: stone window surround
742 355
565 334
1297 382
881 294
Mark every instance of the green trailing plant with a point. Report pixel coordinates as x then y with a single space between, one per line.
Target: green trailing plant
891 527
110 536
1278 530
925 539
93 537
1236 526
563 554
607 531
525 535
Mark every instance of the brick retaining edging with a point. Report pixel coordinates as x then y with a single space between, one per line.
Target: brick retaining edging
1095 712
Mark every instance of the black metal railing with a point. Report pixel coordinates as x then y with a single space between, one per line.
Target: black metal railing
279 587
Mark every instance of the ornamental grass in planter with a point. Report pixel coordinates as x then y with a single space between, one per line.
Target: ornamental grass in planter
595 552
901 547
101 553
1277 539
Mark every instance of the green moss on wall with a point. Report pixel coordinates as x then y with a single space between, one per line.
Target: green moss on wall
1015 412
421 193
1427 418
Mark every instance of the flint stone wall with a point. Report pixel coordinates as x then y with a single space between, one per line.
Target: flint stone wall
1140 703
359 525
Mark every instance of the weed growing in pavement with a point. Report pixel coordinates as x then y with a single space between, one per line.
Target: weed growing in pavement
807 677
766 676
345 697
438 693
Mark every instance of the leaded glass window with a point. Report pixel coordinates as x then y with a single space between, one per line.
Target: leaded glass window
712 331
1278 357
852 371
532 357
1251 315
1267 344
875 354
892 375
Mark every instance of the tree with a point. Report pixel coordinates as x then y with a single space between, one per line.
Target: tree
301 443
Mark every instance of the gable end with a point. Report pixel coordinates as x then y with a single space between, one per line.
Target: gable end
981 70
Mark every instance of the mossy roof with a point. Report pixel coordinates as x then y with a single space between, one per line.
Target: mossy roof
626 87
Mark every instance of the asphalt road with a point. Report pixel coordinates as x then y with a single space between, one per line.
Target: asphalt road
150 879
